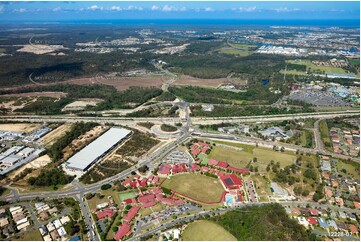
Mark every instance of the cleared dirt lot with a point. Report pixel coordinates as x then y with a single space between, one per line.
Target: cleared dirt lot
21 127
51 137
35 164
193 81
37 94
121 83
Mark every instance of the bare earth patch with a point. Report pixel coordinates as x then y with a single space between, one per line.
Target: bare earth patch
37 94
21 127
35 164
193 81
121 83
51 137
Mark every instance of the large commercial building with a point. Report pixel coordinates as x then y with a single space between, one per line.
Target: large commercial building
90 154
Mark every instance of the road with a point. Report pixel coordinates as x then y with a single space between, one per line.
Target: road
269 144
186 219
79 190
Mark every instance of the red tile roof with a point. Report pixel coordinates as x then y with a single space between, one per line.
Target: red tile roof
353 229
312 220
242 171
130 201
147 200
313 211
212 162
204 169
231 181
131 213
164 169
194 167
222 164
106 213
122 231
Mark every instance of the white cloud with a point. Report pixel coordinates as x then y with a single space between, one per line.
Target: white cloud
57 9
2 9
131 7
20 10
154 8
249 9
95 7
167 8
284 10
183 9
116 8
209 9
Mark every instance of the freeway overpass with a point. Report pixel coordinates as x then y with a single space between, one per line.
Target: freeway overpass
195 120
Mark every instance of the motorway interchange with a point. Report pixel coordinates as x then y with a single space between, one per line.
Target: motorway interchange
186 132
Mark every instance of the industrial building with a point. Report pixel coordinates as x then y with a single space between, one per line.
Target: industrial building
90 154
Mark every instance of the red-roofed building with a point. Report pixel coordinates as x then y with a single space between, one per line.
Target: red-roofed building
134 184
221 173
353 229
123 230
212 162
217 172
356 204
231 181
131 213
313 211
312 221
164 169
204 169
157 190
222 164
326 175
136 177
130 201
126 182
179 168
143 182
106 213
147 200
194 167
212 171
155 180
238 170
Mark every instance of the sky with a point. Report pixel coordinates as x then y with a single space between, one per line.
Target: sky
95 10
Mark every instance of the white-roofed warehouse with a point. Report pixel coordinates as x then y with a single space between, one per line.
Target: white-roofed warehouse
97 149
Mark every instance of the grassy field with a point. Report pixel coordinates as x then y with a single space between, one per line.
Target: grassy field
97 200
293 72
307 138
240 159
33 235
314 68
196 186
324 133
237 49
234 157
124 196
147 211
349 168
206 230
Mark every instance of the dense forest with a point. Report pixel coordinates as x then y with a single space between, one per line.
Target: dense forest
50 177
268 222
210 95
